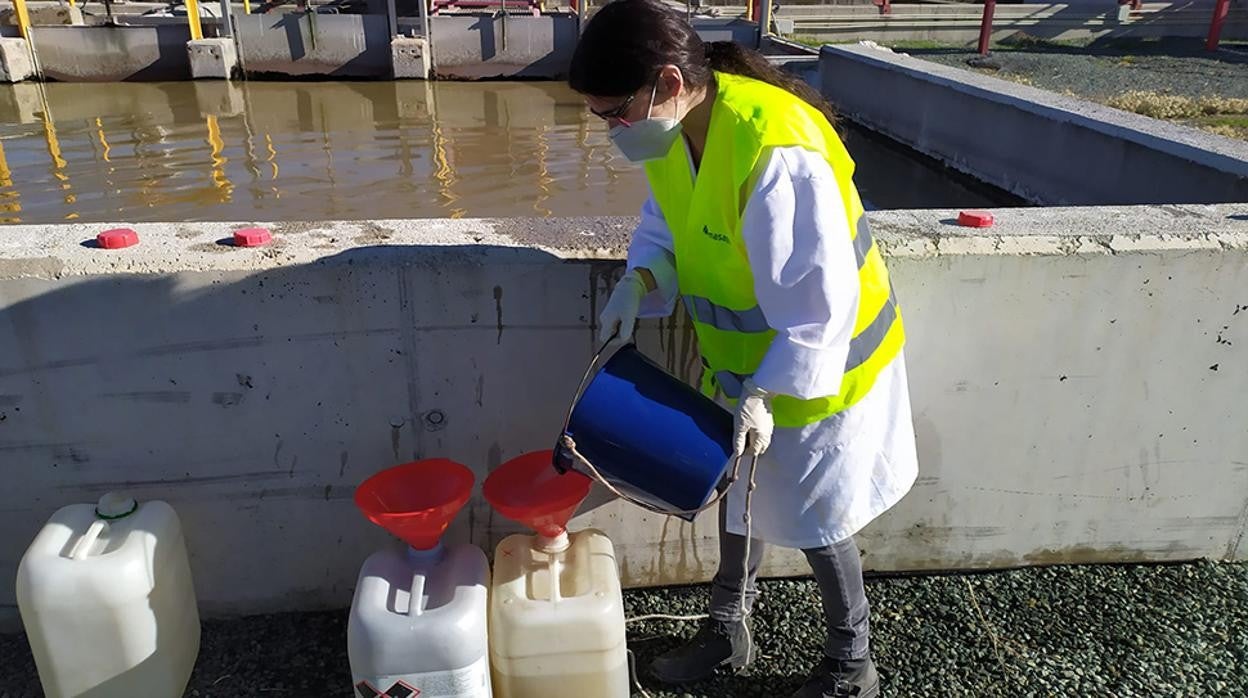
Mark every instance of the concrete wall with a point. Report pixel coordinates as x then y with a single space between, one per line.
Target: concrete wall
1042 146
483 46
960 23
110 54
1077 379
304 43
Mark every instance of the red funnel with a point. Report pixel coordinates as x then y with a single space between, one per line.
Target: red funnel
528 489
416 501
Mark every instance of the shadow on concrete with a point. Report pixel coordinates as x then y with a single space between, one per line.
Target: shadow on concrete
286 387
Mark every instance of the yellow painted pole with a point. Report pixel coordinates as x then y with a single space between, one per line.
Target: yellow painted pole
192 20
6 176
219 178
72 3
99 126
23 18
59 165
246 7
10 201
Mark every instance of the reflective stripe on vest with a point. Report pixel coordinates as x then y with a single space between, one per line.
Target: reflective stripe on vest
753 320
860 349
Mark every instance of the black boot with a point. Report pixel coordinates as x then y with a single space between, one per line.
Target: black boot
716 644
847 678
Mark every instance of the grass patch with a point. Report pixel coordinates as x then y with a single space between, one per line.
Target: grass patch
1231 126
1176 107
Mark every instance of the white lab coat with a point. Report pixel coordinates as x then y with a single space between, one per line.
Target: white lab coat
822 483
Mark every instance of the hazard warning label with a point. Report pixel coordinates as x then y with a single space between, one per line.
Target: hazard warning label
472 680
400 689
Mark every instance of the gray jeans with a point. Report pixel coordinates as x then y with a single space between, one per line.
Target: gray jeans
838 571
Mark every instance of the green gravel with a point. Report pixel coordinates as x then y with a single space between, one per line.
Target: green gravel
1131 630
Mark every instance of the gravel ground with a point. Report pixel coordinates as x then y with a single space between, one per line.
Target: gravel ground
1104 69
1173 630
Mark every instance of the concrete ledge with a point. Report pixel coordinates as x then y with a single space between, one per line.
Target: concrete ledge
285 42
112 54
213 58
1075 375
15 62
1039 145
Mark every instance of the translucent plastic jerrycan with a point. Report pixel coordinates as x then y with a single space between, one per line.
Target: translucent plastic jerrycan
556 609
419 617
106 598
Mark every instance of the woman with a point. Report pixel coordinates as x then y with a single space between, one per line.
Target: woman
754 222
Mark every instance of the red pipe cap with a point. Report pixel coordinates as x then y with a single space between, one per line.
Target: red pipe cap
975 219
117 238
252 237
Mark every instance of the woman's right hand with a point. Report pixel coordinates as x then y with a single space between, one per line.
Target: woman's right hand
620 313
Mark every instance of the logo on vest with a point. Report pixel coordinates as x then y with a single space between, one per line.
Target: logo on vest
717 237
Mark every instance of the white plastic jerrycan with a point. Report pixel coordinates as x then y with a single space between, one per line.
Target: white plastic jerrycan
418 624
556 608
107 600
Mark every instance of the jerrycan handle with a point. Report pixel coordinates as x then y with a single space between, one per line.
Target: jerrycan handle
88 539
415 605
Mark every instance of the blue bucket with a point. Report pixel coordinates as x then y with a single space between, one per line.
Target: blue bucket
650 435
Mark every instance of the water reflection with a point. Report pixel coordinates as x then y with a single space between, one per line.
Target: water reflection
300 151
136 152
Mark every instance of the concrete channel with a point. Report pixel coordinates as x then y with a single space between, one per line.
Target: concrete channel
253 389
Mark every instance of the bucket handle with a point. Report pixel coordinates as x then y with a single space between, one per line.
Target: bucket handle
570 444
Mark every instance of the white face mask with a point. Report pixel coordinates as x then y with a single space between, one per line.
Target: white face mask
648 139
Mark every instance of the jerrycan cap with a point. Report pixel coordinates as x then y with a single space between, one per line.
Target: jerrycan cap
115 505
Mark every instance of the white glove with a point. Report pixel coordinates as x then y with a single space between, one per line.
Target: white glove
754 419
622 308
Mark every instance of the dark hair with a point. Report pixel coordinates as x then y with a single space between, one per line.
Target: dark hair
627 42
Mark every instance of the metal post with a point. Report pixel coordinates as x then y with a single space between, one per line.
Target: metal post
1220 11
246 7
23 18
227 18
580 14
985 28
394 18
764 21
192 20
424 20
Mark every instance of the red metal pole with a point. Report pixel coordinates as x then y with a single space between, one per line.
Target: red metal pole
985 28
1220 11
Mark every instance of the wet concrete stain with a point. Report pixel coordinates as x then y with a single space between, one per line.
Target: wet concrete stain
411 349
480 395
342 463
498 309
395 437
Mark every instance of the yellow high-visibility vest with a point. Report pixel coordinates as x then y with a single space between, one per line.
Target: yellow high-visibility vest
716 284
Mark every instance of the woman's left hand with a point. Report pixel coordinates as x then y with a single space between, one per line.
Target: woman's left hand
754 422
